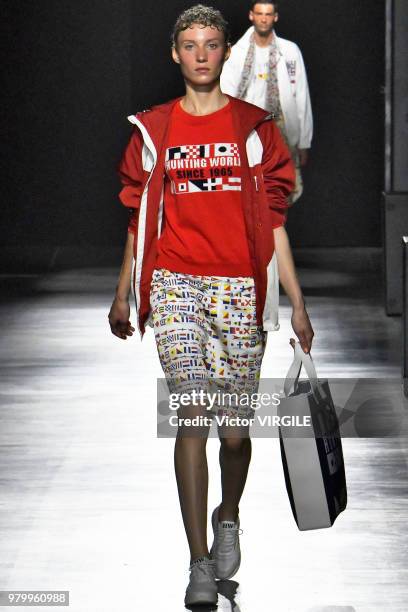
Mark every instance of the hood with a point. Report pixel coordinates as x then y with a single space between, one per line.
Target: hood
156 118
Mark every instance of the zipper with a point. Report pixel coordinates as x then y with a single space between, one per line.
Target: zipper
266 118
256 216
161 208
143 205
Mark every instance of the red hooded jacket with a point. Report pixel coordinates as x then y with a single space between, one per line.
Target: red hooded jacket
268 178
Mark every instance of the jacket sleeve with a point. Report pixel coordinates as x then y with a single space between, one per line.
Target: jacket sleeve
303 103
230 75
278 169
131 173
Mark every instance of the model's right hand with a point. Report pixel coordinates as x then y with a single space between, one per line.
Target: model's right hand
119 319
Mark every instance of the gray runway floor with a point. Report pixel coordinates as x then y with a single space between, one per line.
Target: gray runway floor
88 499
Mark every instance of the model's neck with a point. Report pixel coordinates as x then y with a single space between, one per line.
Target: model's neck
203 101
263 41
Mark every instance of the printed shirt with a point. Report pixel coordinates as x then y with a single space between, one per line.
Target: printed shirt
204 229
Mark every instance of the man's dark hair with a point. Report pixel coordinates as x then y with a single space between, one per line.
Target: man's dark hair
204 16
275 4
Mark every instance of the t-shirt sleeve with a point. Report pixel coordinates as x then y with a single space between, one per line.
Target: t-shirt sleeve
278 170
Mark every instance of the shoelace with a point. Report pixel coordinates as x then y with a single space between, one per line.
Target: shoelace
203 566
228 536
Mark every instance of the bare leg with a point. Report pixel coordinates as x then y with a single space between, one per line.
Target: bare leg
235 457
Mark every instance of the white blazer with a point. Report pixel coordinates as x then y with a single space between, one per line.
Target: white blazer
293 86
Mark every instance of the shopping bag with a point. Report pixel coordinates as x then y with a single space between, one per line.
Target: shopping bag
312 457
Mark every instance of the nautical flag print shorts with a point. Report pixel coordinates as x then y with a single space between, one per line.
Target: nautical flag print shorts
207 337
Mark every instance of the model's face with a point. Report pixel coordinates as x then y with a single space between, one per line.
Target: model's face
201 54
263 17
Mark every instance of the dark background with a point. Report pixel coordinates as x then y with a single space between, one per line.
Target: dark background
74 71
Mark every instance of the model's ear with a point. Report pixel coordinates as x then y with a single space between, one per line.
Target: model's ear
227 52
251 16
276 17
175 55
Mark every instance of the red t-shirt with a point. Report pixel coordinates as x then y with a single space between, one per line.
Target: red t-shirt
204 230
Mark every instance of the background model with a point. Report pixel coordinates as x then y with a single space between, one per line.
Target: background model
269 71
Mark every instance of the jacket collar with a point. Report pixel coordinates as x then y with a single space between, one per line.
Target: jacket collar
156 119
243 42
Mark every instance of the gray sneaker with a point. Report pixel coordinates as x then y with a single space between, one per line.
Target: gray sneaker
202 588
225 549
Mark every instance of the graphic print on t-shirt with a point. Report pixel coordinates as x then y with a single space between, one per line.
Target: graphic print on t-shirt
204 167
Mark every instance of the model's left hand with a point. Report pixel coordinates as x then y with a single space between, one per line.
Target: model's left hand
303 156
302 328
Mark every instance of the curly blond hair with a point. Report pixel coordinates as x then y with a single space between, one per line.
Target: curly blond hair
204 16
